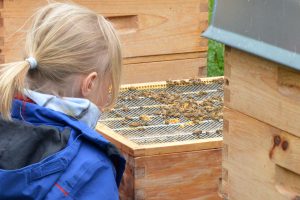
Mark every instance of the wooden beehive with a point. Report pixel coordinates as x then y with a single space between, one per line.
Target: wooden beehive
166 161
261 154
261 157
182 170
159 38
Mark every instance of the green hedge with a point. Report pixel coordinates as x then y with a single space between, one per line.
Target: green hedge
215 59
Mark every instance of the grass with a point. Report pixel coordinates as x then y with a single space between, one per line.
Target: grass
215 59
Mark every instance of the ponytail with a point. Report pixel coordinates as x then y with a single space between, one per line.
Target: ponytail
12 81
67 40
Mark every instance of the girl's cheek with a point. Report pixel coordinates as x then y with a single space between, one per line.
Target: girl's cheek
102 95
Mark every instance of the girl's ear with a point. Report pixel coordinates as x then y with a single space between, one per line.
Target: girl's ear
88 84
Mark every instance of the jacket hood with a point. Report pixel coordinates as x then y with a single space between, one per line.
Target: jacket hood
56 129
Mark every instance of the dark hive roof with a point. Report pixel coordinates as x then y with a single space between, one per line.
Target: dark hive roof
267 28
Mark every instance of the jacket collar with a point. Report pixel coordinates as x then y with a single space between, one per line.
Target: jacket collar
81 109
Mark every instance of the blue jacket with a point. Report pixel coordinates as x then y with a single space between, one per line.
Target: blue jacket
46 154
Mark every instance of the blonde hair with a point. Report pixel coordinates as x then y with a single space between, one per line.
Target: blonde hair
65 39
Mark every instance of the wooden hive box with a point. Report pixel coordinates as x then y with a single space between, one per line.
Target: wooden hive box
165 161
261 133
261 154
160 39
182 170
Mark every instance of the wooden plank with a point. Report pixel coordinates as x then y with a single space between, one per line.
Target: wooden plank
263 89
251 171
165 70
183 146
160 30
187 175
178 56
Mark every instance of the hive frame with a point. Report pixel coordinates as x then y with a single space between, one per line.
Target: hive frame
136 150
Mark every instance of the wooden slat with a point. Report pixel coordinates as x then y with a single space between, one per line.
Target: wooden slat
166 176
176 147
263 90
157 58
169 27
251 171
165 70
187 175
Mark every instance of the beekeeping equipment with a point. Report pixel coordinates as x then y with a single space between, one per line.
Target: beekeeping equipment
262 92
171 151
159 38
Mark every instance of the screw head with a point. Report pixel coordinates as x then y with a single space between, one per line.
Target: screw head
285 145
277 140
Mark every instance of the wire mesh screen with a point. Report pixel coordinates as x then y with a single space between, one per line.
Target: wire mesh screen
170 112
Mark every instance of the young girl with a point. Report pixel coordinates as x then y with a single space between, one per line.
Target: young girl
50 103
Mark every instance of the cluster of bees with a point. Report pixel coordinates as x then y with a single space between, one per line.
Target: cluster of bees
144 119
176 108
194 81
200 133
